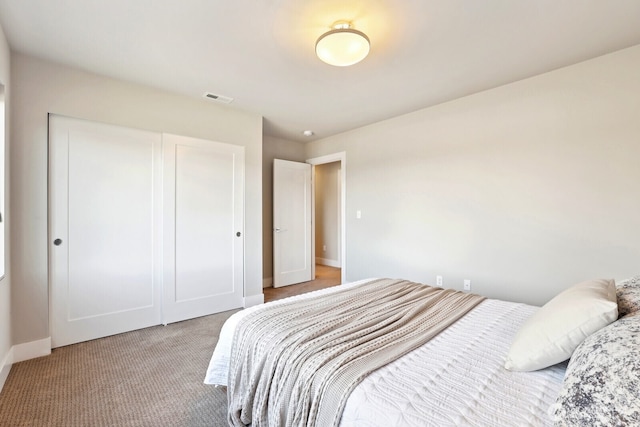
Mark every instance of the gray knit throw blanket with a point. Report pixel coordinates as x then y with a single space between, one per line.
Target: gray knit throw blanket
295 363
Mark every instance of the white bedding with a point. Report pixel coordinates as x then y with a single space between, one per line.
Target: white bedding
457 378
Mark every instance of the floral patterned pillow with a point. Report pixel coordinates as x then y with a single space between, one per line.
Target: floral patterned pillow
602 382
628 293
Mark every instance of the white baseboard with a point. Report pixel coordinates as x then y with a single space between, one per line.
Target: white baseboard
5 368
253 300
22 352
328 262
267 282
31 350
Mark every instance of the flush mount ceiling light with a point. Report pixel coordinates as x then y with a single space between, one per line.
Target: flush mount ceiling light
343 45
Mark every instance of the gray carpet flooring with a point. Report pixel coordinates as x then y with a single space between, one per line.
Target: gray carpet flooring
150 377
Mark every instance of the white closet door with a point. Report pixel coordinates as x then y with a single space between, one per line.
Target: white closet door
105 229
204 227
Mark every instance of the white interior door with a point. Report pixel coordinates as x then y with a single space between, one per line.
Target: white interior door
203 234
292 223
105 226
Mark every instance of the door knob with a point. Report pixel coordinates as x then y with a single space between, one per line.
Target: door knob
57 242
238 234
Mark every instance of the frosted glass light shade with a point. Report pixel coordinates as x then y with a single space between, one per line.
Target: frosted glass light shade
342 47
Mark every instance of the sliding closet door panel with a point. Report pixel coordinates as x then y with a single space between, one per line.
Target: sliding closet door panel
204 187
109 200
105 229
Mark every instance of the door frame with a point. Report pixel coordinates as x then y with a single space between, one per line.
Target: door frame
331 158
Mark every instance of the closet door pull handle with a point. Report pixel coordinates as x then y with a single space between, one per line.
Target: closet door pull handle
57 242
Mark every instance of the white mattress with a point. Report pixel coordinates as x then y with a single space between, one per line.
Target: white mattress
457 378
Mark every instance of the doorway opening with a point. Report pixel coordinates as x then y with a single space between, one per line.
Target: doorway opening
327 220
297 244
329 195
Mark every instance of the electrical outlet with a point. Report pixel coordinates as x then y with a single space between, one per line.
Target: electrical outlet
439 281
467 284
324 248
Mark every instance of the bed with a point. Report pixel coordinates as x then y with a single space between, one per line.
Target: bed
457 377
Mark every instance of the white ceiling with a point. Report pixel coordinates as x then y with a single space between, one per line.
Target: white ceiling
261 52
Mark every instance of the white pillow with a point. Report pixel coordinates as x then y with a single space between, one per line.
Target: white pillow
552 334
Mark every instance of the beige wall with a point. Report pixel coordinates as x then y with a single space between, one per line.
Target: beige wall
5 284
42 87
273 148
524 189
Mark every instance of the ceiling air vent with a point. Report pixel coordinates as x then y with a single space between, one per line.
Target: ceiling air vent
219 98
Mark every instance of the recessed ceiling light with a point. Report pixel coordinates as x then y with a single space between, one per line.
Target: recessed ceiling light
308 133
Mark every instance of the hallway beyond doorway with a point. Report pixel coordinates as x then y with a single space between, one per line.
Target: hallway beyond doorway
325 277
